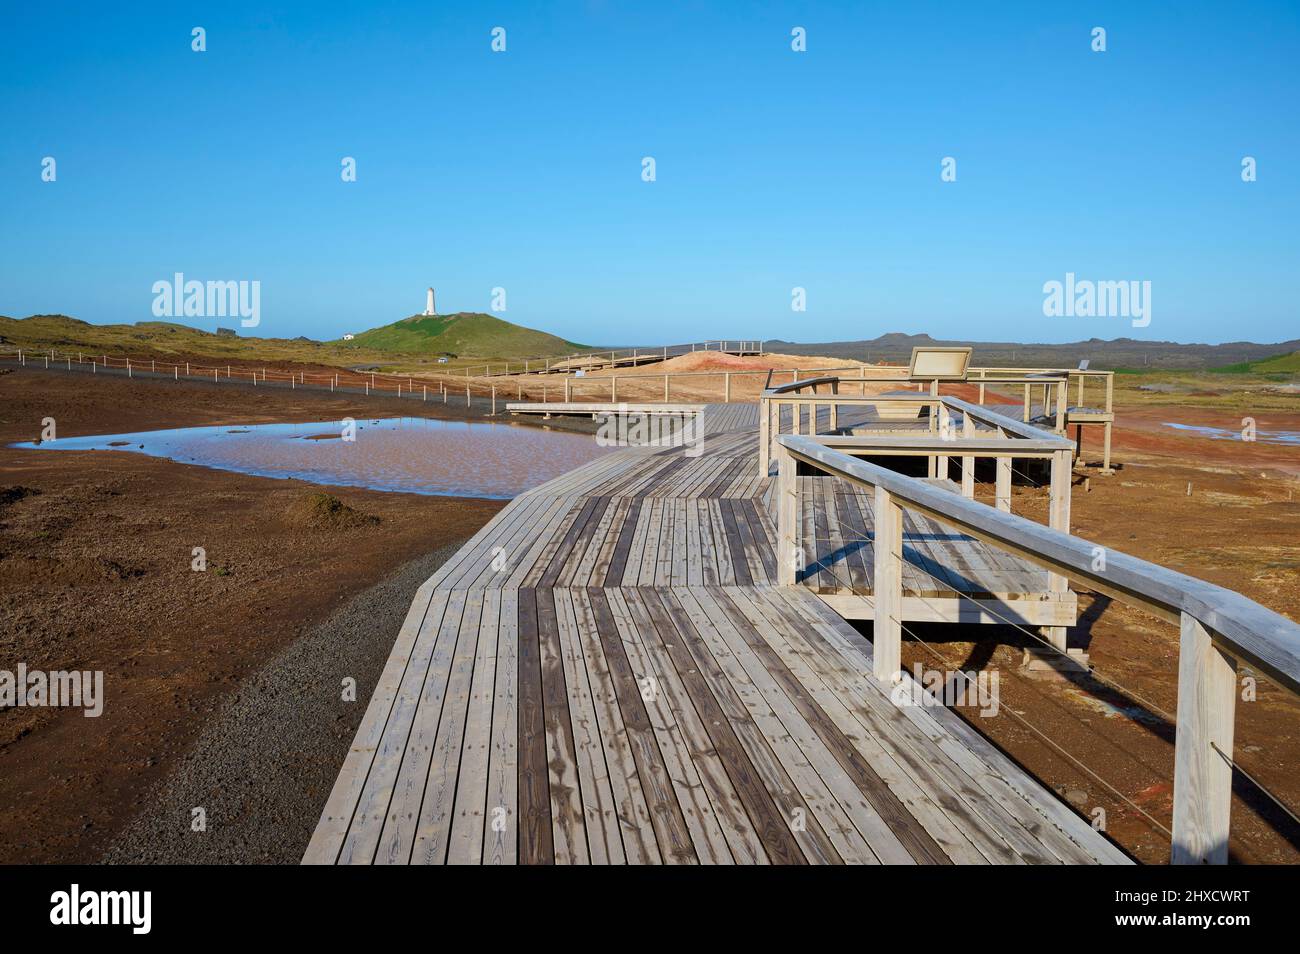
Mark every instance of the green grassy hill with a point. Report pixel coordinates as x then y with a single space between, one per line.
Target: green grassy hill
1278 364
462 334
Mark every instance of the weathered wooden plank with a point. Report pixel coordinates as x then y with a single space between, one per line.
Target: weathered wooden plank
632 812
433 834
536 845
501 828
337 816
365 832
673 838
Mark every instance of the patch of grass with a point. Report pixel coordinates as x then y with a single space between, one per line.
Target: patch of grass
1282 364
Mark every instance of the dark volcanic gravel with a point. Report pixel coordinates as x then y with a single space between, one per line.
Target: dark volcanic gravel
267 760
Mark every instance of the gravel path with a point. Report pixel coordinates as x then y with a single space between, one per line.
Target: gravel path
264 766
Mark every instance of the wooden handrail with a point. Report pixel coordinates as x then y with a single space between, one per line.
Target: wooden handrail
795 386
1218 627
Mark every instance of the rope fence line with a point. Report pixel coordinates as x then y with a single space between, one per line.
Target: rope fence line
447 386
440 387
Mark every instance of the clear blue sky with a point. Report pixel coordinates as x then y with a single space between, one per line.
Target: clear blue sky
775 169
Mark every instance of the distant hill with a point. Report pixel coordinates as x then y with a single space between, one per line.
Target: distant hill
1101 354
163 337
464 333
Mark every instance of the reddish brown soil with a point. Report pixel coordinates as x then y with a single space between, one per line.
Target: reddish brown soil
95 574
1144 434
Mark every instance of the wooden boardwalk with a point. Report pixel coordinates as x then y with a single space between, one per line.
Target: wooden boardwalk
607 673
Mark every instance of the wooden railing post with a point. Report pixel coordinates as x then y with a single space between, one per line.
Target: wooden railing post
945 433
1110 406
1002 485
1058 518
1207 695
787 514
887 588
764 435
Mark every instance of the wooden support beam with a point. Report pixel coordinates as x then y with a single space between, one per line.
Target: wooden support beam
887 628
1207 696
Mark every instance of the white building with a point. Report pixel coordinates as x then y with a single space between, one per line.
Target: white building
428 303
348 337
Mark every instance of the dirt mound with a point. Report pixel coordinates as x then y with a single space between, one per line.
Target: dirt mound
720 361
321 511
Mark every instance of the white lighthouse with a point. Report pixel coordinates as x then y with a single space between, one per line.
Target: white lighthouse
428 303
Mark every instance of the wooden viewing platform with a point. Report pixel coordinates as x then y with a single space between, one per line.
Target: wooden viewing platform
609 672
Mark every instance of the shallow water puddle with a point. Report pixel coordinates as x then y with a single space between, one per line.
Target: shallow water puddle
410 454
1225 434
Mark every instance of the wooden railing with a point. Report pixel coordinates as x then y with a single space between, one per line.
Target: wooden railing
1219 629
1076 377
580 359
804 394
